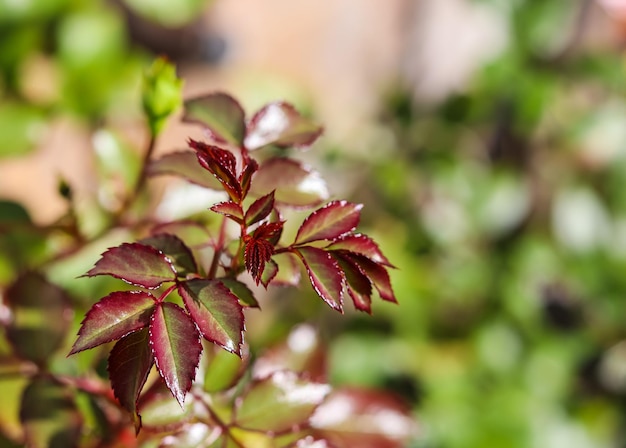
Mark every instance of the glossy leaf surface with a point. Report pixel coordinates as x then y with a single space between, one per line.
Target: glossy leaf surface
364 418
184 164
358 285
176 250
222 164
175 344
294 183
362 245
130 362
216 311
329 222
324 274
378 276
260 209
220 114
280 124
49 415
113 317
229 209
279 403
41 316
136 264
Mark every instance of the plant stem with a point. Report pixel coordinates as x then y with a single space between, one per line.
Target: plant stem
219 248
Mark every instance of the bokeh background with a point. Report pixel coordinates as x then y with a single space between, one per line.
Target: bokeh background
486 138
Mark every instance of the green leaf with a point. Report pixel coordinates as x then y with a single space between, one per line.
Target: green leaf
220 114
216 311
136 264
13 213
282 125
113 317
176 347
130 362
279 403
49 415
184 164
241 291
161 94
41 316
177 251
223 369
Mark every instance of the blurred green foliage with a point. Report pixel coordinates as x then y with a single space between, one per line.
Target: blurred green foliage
503 207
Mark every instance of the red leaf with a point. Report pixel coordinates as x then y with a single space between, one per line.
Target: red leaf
175 344
282 125
362 245
41 314
184 164
113 317
279 403
260 209
216 311
364 418
222 164
329 222
325 275
136 264
245 179
229 209
173 247
358 284
260 247
269 273
130 362
220 114
294 183
378 276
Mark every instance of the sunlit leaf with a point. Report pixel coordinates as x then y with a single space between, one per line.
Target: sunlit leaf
362 245
279 403
130 362
220 114
184 164
49 414
364 418
294 183
358 284
229 209
329 222
280 124
41 316
241 291
377 274
176 250
136 264
216 311
113 317
325 275
260 209
222 164
176 347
